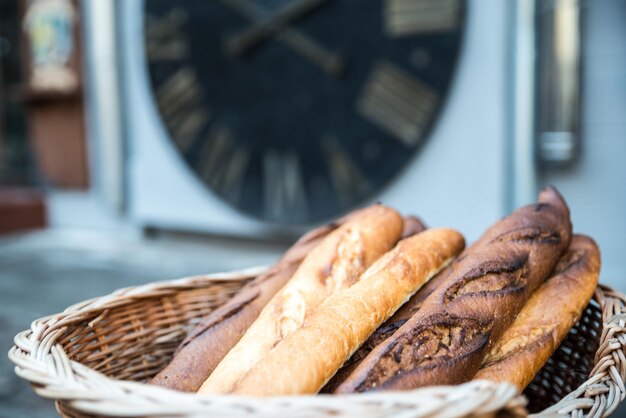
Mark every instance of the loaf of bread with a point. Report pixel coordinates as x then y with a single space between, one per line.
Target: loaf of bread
207 344
547 318
335 264
305 360
411 226
385 331
447 339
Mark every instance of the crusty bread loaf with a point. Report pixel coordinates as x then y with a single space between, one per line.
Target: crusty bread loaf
385 331
207 344
546 319
447 339
304 361
335 264
412 226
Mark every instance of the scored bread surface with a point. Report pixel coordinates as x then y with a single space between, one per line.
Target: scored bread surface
547 318
304 361
336 263
385 331
209 341
447 339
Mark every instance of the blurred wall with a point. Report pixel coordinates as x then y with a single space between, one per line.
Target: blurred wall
457 178
460 177
595 186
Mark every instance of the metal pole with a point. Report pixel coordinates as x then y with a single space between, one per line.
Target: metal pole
104 119
521 168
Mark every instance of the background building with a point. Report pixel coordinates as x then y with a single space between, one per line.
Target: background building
145 140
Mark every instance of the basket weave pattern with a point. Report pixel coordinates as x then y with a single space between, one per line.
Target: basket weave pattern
93 358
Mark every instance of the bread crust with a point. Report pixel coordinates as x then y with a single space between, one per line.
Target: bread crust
412 225
335 264
207 343
304 361
547 318
447 339
386 330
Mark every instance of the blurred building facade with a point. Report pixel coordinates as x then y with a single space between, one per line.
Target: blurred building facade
535 98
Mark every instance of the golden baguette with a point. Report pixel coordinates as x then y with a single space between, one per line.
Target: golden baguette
335 264
385 331
303 362
209 341
547 318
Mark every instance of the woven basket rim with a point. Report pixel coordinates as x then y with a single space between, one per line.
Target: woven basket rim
54 376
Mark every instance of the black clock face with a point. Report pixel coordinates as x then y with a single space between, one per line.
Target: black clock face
296 110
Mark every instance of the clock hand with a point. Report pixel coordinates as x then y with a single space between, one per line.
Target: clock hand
299 42
332 64
243 41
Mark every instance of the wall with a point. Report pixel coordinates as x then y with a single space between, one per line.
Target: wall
457 178
596 185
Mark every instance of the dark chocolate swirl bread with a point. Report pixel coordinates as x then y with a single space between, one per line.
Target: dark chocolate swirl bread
448 337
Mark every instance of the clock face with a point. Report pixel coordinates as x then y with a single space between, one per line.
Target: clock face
296 110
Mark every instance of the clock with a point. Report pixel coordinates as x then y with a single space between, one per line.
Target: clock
293 111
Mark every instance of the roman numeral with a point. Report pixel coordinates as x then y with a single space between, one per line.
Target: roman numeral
166 38
412 17
348 181
180 102
223 164
397 103
285 195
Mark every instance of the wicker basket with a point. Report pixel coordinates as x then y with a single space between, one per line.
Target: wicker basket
93 357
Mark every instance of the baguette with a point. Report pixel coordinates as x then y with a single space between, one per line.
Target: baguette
207 344
412 226
547 318
447 339
385 331
304 361
333 265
